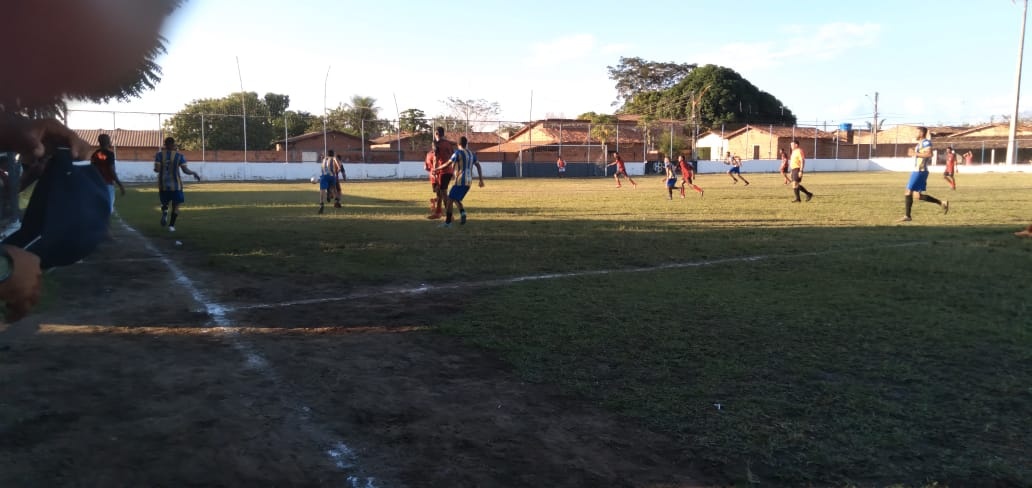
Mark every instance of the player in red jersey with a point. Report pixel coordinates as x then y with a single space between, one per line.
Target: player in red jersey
687 176
621 169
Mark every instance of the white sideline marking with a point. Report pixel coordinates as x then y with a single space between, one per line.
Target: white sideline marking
342 456
424 288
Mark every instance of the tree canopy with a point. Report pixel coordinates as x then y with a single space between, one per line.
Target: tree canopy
709 95
635 76
218 122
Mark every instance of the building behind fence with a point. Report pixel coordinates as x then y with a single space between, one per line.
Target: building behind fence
543 141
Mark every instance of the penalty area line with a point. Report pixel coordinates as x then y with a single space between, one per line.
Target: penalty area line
424 288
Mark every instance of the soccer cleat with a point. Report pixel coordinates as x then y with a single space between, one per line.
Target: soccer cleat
171 228
809 196
164 219
796 200
434 216
746 183
904 219
945 207
445 225
321 209
701 192
336 205
462 218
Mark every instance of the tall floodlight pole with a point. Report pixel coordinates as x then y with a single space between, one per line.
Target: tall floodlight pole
326 82
243 104
1011 146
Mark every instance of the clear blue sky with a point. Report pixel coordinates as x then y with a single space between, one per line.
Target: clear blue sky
943 61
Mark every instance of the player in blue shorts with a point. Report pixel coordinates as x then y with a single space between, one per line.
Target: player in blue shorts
462 161
919 177
736 168
328 180
168 163
670 178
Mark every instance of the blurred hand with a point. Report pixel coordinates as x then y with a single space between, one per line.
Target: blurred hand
32 139
21 290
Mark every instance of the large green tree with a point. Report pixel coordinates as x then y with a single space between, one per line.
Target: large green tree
218 123
636 76
414 121
711 95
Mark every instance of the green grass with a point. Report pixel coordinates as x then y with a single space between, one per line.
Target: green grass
855 351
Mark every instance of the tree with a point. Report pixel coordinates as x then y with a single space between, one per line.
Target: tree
217 123
603 126
414 122
450 123
474 112
359 117
634 76
713 95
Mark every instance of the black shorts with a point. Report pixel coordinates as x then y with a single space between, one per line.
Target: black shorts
445 180
797 175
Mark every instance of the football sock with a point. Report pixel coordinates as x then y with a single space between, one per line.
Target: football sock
910 203
803 189
172 221
448 218
929 198
796 191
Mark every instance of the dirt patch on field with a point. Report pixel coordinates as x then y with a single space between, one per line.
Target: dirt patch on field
121 380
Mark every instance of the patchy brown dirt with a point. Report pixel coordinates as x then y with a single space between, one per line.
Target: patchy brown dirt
120 380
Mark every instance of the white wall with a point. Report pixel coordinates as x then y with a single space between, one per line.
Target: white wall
140 171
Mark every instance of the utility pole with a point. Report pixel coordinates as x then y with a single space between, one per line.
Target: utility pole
874 128
1011 145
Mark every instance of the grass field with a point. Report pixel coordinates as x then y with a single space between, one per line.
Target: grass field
840 346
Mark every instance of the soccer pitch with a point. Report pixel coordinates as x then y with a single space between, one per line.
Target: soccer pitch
750 339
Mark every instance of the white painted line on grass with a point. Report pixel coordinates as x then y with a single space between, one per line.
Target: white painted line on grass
424 288
339 453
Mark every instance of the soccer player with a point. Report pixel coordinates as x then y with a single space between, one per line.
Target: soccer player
918 182
443 151
435 183
797 164
338 177
951 168
462 163
621 169
328 180
1026 232
670 177
103 160
783 156
560 165
736 168
168 163
687 175
967 158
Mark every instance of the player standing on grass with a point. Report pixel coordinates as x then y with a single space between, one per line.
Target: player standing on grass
797 164
328 180
919 177
340 176
783 156
435 183
462 163
951 168
103 160
443 151
560 165
736 168
621 169
168 163
687 175
670 178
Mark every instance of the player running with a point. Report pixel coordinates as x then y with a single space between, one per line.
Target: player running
443 150
621 169
736 168
670 178
783 156
687 175
328 180
919 177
